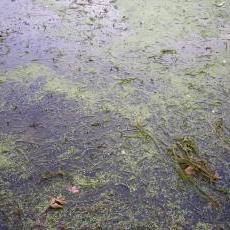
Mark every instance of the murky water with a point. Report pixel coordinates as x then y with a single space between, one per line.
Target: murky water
94 94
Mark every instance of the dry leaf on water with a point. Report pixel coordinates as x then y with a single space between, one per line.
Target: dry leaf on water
190 171
56 203
216 176
73 189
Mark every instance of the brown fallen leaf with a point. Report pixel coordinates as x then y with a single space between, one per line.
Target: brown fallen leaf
190 171
216 176
56 203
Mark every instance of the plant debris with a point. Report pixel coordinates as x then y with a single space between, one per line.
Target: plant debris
57 203
49 174
142 132
186 155
168 51
126 80
190 167
190 171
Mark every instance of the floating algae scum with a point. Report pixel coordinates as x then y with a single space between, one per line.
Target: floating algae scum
126 100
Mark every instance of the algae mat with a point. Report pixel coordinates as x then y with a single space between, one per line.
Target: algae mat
97 95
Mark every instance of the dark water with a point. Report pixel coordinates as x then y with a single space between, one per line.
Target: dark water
93 94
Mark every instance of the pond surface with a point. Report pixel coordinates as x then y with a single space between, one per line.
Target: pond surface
97 95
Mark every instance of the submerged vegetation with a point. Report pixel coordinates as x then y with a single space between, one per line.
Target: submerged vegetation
193 169
186 154
139 131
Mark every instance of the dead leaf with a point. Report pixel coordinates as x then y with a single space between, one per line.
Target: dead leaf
56 203
73 189
190 171
216 176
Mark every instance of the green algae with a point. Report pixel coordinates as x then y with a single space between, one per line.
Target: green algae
174 97
119 104
27 73
203 226
5 162
132 112
69 153
6 146
12 165
90 183
140 43
155 22
56 84
68 88
9 157
53 219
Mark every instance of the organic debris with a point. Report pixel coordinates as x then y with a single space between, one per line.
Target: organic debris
168 51
194 73
49 175
187 145
142 132
190 167
190 171
125 81
57 203
73 189
219 126
224 190
186 155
